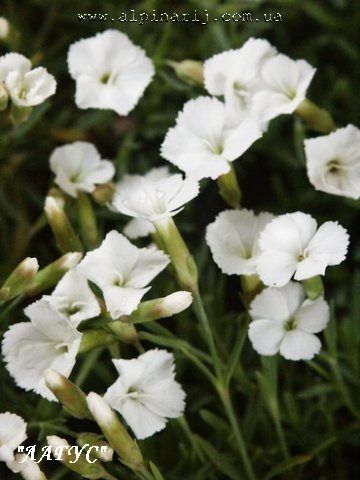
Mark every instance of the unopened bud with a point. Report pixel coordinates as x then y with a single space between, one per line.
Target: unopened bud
115 433
161 307
314 287
4 97
65 236
4 28
102 450
72 398
104 193
182 261
189 71
20 279
75 461
52 274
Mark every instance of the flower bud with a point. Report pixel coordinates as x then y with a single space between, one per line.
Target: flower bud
74 461
181 259
161 307
316 118
4 97
87 221
115 432
66 238
189 71
20 279
69 395
104 193
4 28
103 452
229 188
50 275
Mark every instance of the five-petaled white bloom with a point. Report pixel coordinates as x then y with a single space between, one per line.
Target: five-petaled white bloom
12 434
284 320
49 340
234 73
74 298
291 244
333 162
110 72
155 196
122 271
201 144
78 167
233 240
282 86
26 87
146 393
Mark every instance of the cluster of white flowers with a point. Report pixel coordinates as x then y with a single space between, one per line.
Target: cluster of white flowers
277 249
256 84
26 87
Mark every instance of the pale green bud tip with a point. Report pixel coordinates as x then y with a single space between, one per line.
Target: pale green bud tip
189 71
53 206
29 267
177 302
4 28
70 260
54 442
100 410
53 379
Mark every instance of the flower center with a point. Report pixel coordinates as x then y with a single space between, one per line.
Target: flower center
290 324
61 348
72 309
240 90
105 78
334 166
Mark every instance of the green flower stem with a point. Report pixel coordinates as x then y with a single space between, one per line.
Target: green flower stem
204 321
240 443
87 221
315 117
229 188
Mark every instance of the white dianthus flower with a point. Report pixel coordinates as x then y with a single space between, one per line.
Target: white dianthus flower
146 393
110 72
333 162
285 321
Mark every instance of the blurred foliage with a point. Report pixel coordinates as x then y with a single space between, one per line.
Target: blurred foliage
317 402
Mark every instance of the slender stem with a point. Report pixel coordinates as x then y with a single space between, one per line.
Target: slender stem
281 436
229 409
204 321
342 387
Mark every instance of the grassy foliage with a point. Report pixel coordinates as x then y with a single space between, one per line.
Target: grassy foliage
299 420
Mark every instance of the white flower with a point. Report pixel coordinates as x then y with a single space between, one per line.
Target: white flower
26 87
154 196
233 74
284 320
27 467
122 271
233 240
176 302
201 145
282 86
333 162
146 393
4 28
74 298
110 72
48 341
12 434
78 167
292 244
